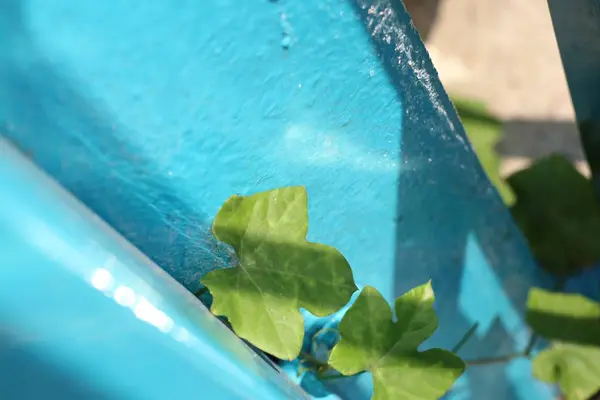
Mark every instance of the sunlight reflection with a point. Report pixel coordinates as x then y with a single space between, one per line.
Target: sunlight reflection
73 247
181 335
124 296
308 145
145 311
44 238
102 280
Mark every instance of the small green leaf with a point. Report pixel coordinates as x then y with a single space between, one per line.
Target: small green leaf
278 271
575 368
558 213
572 323
372 341
484 132
569 318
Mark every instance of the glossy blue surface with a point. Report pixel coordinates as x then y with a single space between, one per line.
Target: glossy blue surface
86 316
153 113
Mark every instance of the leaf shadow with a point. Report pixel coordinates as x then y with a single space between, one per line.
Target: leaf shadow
567 328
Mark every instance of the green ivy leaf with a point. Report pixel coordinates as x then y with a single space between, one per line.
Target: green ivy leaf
484 132
575 368
278 271
372 341
558 213
572 323
570 318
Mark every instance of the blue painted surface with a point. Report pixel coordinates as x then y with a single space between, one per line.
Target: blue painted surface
86 316
154 113
577 29
586 283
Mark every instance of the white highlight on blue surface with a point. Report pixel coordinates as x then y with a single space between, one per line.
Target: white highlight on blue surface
145 311
124 296
311 146
102 279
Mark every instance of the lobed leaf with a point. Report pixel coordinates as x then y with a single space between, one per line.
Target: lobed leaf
572 323
558 213
575 368
568 318
278 271
372 341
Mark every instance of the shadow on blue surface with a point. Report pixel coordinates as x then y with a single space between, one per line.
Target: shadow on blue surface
456 246
576 27
25 372
479 264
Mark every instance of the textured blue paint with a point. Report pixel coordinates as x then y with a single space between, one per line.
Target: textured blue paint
586 283
157 120
153 113
577 28
86 316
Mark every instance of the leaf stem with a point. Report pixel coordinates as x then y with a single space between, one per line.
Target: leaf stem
468 334
533 339
332 377
308 357
494 360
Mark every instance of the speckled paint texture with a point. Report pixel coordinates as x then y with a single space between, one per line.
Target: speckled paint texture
153 113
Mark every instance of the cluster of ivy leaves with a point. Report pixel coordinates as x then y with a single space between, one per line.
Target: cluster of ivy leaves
557 211
278 272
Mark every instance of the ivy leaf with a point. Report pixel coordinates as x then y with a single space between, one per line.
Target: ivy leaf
484 132
575 368
558 213
372 341
572 323
278 271
570 318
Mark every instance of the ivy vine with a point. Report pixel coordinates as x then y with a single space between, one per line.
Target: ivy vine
559 215
278 272
557 210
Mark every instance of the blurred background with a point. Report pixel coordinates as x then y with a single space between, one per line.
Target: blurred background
503 56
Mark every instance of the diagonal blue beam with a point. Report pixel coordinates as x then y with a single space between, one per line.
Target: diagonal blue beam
86 316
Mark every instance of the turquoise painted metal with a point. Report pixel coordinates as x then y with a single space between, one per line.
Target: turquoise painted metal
153 113
577 29
87 316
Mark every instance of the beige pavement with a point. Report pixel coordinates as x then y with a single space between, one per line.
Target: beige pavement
505 54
